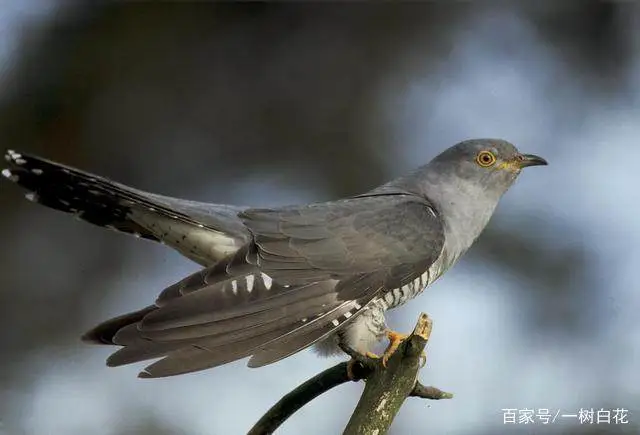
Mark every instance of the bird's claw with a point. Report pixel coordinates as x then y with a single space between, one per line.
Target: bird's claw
395 339
371 355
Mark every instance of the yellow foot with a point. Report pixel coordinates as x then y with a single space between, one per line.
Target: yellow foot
395 339
353 361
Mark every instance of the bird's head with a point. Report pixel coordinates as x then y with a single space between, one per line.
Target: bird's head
492 164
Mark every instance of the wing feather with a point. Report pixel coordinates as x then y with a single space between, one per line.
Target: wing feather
360 235
191 359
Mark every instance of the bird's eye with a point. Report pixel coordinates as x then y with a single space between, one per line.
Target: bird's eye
485 158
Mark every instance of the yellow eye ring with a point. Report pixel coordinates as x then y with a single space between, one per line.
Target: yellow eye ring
485 159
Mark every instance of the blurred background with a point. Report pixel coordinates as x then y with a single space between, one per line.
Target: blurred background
275 104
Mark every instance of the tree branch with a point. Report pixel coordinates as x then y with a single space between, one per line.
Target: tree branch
388 387
305 393
431 393
385 391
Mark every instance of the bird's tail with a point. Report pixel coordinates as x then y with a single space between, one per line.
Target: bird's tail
203 232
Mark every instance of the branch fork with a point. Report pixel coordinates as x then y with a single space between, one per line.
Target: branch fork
385 390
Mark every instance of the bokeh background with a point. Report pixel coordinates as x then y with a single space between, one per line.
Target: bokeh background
274 104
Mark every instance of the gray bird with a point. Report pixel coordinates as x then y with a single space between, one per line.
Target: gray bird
276 281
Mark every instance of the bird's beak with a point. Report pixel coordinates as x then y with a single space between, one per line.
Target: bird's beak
525 160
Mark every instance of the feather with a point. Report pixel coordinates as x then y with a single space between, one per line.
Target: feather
106 331
202 306
213 230
136 348
305 336
261 320
194 358
361 235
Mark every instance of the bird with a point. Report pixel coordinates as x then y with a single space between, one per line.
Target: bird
275 281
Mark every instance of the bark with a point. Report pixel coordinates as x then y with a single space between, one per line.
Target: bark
388 387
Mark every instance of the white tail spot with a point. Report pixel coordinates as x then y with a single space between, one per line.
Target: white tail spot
250 280
335 322
357 306
12 155
234 287
347 314
20 161
7 174
31 196
200 226
267 280
37 171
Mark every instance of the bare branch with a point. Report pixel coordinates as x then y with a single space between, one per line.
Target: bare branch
385 391
431 393
387 388
303 394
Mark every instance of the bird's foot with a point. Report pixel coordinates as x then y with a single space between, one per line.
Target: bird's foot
395 340
353 361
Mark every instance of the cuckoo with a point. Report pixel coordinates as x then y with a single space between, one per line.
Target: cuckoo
278 280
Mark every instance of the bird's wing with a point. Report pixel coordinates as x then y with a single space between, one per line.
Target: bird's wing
203 232
343 238
309 271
